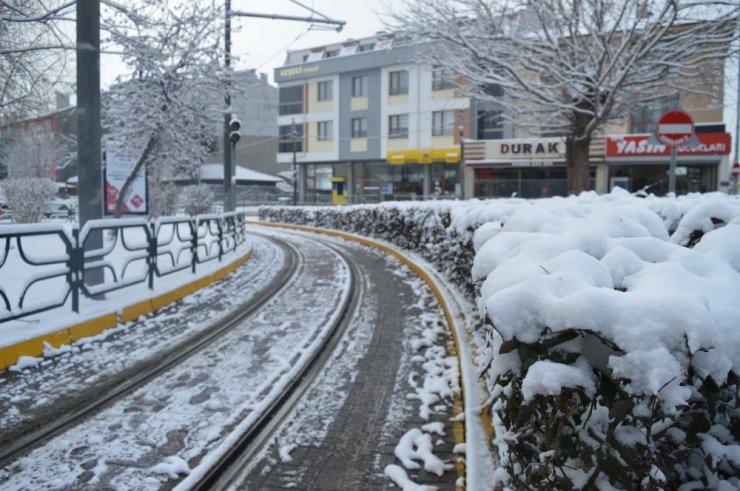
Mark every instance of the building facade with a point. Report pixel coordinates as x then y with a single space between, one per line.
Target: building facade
363 121
366 121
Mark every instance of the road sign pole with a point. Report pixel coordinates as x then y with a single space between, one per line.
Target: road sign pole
672 171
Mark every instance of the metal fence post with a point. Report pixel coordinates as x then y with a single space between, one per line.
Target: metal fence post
151 253
220 238
76 253
194 242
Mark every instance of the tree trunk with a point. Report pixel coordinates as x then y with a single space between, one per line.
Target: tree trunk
130 179
577 164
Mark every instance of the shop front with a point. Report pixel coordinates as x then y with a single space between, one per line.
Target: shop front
524 167
635 163
406 175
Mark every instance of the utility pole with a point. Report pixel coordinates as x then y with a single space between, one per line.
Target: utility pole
295 171
462 154
88 111
734 179
228 169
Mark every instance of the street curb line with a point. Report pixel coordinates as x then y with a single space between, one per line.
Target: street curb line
458 406
9 355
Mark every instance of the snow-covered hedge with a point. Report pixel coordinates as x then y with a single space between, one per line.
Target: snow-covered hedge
425 228
610 329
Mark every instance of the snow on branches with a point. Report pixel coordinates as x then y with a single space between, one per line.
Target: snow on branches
167 108
28 197
570 67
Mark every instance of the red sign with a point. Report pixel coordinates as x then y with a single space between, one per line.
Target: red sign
674 128
639 146
736 170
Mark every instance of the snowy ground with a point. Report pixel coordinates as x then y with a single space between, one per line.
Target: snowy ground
147 438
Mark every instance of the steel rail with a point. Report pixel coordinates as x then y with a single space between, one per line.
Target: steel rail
228 469
139 375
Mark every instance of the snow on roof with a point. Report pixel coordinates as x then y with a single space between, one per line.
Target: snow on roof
215 172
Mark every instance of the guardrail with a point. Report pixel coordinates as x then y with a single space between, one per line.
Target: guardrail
45 266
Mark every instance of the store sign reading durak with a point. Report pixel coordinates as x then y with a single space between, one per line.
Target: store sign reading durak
534 149
639 145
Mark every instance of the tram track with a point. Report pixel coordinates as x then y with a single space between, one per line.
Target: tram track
145 372
247 445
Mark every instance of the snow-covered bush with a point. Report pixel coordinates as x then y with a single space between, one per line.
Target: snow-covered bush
613 347
28 197
163 199
608 336
197 199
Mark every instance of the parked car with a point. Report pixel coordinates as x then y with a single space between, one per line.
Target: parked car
62 208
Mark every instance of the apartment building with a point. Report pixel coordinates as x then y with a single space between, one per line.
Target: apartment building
367 121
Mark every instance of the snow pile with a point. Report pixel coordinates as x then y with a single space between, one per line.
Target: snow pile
615 339
608 328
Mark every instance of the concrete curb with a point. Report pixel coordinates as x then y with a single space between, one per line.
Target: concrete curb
9 355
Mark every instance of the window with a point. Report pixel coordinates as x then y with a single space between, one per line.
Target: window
286 138
367 47
442 78
359 127
359 86
494 90
324 130
332 53
490 125
324 90
442 122
644 117
291 100
398 82
398 126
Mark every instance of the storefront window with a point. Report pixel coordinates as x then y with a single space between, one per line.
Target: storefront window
653 179
445 181
530 182
318 183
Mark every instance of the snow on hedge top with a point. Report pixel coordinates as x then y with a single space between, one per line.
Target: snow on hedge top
613 265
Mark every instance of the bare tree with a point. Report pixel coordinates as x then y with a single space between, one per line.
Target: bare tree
164 111
34 48
569 67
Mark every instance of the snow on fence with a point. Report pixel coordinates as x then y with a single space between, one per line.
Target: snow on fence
45 266
607 329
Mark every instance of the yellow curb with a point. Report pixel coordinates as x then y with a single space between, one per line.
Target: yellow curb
133 312
9 355
458 427
92 327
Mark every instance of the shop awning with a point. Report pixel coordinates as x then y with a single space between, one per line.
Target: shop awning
448 155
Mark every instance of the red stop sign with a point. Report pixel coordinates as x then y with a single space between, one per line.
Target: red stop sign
674 128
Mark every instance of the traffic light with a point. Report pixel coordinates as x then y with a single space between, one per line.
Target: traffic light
234 127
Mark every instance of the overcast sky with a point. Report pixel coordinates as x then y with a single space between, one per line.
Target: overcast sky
261 43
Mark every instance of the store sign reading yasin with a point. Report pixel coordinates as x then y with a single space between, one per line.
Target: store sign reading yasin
640 145
118 167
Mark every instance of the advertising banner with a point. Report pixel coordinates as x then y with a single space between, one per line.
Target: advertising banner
118 166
